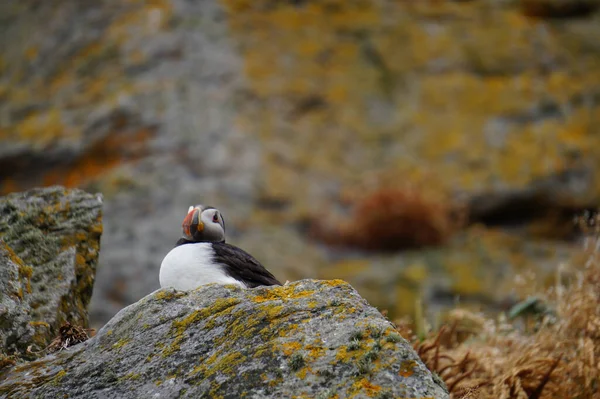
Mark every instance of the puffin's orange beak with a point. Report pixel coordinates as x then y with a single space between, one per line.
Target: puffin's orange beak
192 224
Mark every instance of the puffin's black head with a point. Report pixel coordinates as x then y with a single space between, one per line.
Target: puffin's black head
204 224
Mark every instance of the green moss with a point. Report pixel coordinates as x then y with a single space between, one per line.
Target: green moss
122 342
376 332
393 337
296 362
59 376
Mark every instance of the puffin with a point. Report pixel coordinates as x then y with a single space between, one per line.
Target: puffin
201 256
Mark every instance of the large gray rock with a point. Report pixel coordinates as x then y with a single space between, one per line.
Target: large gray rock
49 243
307 339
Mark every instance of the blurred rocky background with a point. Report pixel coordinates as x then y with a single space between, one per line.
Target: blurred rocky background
429 152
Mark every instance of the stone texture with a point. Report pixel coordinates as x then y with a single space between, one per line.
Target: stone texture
49 244
275 112
307 339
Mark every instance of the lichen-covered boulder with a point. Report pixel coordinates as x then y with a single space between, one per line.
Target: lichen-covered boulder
309 339
49 243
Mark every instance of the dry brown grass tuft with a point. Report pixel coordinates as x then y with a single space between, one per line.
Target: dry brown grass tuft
485 359
68 335
394 219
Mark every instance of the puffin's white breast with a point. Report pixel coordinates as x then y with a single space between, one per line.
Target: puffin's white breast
189 266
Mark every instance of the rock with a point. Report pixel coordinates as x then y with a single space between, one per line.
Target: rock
307 339
49 243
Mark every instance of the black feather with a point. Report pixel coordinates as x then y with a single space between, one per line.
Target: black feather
242 266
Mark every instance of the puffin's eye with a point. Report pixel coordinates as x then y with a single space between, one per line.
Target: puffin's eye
216 218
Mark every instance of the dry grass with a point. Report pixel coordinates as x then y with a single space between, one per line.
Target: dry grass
68 335
393 219
558 358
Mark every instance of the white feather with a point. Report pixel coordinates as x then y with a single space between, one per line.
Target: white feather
191 265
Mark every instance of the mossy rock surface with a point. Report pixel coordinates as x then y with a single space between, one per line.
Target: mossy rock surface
49 243
307 339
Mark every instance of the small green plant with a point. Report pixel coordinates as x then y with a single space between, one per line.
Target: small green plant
372 355
296 361
364 367
354 345
278 372
377 346
356 335
393 337
329 393
335 302
384 395
376 332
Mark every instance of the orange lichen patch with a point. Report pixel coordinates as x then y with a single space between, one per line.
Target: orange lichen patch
101 157
9 186
367 387
407 368
284 293
342 354
314 352
336 282
39 323
302 373
107 153
291 347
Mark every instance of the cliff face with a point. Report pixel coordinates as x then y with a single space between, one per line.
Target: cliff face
49 245
281 113
307 339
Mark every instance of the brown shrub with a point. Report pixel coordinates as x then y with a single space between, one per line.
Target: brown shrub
393 219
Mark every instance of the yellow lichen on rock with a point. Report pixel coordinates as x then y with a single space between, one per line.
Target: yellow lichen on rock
179 327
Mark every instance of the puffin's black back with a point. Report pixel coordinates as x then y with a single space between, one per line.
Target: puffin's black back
242 266
238 264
